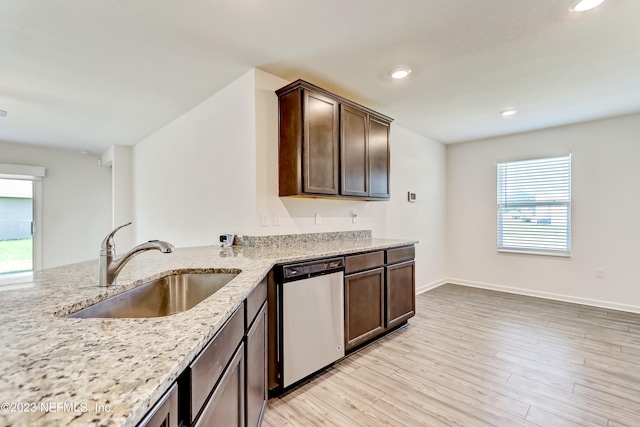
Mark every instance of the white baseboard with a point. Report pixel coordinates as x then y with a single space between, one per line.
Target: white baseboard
429 286
545 295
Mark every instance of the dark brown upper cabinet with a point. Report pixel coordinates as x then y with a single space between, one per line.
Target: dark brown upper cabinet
330 146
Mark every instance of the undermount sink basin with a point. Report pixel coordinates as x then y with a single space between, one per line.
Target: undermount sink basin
161 297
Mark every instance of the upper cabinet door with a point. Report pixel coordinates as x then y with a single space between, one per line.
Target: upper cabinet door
354 151
379 158
320 148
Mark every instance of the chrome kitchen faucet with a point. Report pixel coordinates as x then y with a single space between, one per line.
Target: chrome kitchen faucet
110 266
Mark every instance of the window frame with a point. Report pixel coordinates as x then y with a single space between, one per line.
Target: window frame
568 203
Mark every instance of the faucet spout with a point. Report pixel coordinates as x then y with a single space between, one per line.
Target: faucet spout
110 266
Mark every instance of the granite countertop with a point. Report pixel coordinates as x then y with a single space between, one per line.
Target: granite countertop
109 372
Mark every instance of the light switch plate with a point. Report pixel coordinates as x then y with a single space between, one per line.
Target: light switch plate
411 197
318 218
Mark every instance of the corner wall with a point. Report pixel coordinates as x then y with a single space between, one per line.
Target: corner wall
76 210
195 178
605 206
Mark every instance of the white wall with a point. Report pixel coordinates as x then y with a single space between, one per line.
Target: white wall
195 177
418 164
76 207
605 206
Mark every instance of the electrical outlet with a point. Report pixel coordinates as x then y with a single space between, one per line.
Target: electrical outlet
276 219
318 218
354 216
411 197
265 219
600 273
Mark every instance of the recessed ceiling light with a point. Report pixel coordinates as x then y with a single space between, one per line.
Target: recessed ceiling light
3 113
400 73
584 5
509 112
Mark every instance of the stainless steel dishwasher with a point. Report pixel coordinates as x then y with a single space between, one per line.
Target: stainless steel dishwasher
311 311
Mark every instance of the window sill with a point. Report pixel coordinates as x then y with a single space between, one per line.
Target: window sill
15 278
525 252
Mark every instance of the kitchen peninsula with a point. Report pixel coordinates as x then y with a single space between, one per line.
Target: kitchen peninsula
110 372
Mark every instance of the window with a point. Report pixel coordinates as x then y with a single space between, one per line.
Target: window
534 206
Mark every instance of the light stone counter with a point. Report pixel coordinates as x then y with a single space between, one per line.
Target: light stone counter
109 372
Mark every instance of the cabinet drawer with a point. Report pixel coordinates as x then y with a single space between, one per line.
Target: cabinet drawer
207 368
401 254
256 298
362 262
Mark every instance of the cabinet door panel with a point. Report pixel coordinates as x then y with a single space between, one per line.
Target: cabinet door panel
320 144
165 412
226 405
364 307
401 293
257 368
353 149
378 158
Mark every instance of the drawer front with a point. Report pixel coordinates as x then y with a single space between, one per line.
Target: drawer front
256 298
401 254
209 365
355 263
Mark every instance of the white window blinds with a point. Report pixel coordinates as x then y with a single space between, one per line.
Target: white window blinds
534 206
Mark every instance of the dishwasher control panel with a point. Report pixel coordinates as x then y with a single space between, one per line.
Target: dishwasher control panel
312 268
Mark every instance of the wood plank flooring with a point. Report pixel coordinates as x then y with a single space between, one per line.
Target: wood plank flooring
472 357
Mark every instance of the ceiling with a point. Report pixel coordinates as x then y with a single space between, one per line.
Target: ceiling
85 75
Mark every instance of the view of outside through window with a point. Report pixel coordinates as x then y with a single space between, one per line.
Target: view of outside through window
534 204
16 216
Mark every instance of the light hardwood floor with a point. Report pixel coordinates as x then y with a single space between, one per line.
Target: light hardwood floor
473 357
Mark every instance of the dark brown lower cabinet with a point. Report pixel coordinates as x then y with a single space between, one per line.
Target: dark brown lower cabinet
225 385
226 405
256 368
364 306
165 412
401 293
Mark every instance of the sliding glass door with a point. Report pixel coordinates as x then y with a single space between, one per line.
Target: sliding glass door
16 226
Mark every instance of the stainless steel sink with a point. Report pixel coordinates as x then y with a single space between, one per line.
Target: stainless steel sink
160 297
